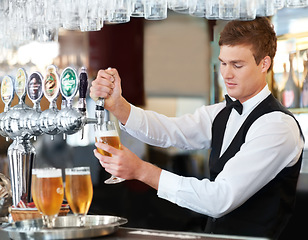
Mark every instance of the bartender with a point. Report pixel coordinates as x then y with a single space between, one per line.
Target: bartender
254 163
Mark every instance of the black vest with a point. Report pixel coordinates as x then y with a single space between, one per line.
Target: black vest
267 212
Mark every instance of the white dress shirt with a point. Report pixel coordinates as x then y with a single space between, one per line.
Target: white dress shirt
272 143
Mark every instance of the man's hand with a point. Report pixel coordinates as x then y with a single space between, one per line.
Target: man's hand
125 164
107 85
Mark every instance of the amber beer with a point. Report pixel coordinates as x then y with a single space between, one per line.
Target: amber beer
110 137
78 189
34 189
49 191
107 133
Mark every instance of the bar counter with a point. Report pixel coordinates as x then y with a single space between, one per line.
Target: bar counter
135 233
123 233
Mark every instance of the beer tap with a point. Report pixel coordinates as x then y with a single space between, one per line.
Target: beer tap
21 152
7 95
100 109
35 93
68 118
60 114
14 121
83 78
51 89
21 122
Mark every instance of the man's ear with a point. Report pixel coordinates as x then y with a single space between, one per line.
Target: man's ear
266 63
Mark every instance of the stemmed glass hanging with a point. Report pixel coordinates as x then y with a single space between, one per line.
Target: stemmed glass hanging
23 21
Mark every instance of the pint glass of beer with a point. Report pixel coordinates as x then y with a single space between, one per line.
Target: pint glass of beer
34 189
107 133
79 191
48 193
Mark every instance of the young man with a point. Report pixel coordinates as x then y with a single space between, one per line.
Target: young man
255 165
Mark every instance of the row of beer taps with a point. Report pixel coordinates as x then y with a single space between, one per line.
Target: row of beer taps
22 121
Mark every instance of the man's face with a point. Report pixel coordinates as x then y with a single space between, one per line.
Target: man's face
243 77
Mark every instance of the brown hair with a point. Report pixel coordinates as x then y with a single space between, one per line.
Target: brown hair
258 33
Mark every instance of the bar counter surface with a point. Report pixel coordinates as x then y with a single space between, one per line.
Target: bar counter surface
123 233
134 234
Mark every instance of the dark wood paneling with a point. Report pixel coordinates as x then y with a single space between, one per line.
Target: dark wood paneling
120 46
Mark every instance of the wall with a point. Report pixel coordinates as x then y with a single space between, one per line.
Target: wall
177 57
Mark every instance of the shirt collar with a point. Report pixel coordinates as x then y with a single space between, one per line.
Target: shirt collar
251 103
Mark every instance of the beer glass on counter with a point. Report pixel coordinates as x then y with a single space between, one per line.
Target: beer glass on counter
34 189
48 193
79 191
106 132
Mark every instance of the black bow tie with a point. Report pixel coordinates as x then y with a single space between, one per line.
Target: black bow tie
234 104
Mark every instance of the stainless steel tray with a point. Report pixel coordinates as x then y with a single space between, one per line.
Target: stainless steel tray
65 227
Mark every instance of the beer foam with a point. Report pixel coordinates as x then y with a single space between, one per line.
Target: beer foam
48 173
109 133
77 171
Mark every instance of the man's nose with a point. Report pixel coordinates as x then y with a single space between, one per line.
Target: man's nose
227 72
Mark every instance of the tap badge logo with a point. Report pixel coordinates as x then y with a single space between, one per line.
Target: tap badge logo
35 86
68 82
7 89
20 84
50 83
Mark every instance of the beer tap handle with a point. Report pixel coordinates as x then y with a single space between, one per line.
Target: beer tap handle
83 87
51 88
7 95
20 85
100 109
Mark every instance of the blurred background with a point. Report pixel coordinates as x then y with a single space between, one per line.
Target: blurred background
170 66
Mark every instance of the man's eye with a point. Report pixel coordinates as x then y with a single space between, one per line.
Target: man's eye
238 66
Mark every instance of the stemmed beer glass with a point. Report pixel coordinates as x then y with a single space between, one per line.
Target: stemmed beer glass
48 193
34 189
79 191
106 132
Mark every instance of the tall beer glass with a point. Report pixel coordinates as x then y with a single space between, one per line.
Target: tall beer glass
49 193
79 191
34 189
107 133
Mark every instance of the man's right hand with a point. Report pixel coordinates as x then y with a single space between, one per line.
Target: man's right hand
107 85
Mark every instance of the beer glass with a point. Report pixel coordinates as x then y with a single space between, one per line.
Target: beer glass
107 133
155 9
34 189
79 191
212 9
296 3
137 8
229 9
197 8
119 11
248 10
48 191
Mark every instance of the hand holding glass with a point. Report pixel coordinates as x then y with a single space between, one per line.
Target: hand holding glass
79 191
48 193
107 133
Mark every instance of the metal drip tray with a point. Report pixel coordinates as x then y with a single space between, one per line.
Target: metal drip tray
65 227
